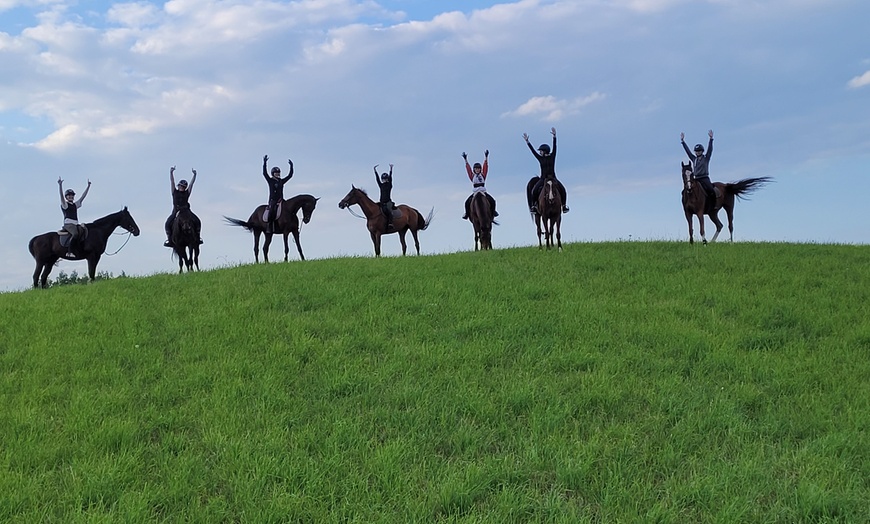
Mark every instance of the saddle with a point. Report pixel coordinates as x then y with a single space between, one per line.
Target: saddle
278 210
394 212
65 237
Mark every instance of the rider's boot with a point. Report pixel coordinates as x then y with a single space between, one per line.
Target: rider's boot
565 209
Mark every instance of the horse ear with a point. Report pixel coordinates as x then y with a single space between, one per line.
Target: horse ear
316 199
125 208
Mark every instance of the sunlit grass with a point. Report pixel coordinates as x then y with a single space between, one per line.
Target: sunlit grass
630 381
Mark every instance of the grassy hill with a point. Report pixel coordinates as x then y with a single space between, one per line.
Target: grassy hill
632 381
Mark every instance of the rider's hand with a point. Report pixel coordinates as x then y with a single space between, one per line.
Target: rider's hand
553 131
464 155
526 137
682 136
59 181
193 171
265 158
486 153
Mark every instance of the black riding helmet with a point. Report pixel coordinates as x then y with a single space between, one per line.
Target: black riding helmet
182 183
699 148
276 171
544 149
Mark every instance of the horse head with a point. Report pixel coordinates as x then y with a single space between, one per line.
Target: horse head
687 176
352 197
308 206
128 223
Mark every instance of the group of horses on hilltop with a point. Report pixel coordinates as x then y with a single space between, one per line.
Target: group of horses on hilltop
48 248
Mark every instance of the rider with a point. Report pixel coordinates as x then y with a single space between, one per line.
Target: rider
547 159
477 175
701 169
180 195
385 182
70 208
276 191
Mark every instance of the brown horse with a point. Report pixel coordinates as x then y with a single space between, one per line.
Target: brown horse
288 223
481 218
46 248
694 199
409 220
550 213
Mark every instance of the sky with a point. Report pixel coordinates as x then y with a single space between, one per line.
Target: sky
117 93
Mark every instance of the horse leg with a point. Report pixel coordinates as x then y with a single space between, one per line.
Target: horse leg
298 245
376 241
402 240
256 246
538 224
286 246
559 233
46 270
701 228
39 268
729 210
93 260
689 219
266 243
714 216
476 237
416 241
195 249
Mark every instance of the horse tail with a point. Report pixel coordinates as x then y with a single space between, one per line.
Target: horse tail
237 222
423 223
744 187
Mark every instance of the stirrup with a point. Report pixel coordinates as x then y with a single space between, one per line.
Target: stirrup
167 243
465 216
565 209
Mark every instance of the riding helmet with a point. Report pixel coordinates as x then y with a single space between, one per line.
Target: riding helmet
276 171
545 149
385 177
69 192
182 183
699 148
477 165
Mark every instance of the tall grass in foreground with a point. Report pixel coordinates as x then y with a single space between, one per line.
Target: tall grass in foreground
614 382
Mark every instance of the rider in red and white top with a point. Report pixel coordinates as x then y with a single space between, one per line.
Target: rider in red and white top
477 175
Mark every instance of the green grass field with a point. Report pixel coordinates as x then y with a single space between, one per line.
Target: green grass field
613 382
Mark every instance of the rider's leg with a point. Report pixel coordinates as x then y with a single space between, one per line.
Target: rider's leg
492 203
564 195
467 207
536 192
197 223
167 227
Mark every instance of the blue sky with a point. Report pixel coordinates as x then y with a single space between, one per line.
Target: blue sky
119 92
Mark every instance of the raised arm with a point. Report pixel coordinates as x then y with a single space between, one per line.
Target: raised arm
553 132
80 200
289 174
60 188
467 166
531 147
710 145
192 181
377 178
171 179
686 147
265 169
485 164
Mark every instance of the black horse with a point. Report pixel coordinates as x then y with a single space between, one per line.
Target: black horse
288 223
481 218
185 240
46 248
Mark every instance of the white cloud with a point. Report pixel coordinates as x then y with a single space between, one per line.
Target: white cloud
860 81
551 109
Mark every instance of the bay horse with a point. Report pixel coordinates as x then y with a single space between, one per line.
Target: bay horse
694 199
46 248
288 223
550 214
410 219
481 218
185 240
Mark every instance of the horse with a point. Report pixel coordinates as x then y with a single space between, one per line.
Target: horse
288 222
185 240
481 218
550 213
408 219
694 199
46 248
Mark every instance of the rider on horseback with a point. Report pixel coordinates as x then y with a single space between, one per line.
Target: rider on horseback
70 206
701 170
547 159
276 192
385 182
180 196
477 175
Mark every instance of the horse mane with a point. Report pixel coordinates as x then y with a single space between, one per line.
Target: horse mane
102 220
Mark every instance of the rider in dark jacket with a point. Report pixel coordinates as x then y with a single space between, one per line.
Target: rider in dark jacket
276 191
385 183
180 200
547 159
701 169
70 208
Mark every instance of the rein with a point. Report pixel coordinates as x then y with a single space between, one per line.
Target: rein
349 210
129 234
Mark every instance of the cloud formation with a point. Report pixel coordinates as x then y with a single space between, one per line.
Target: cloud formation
551 109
